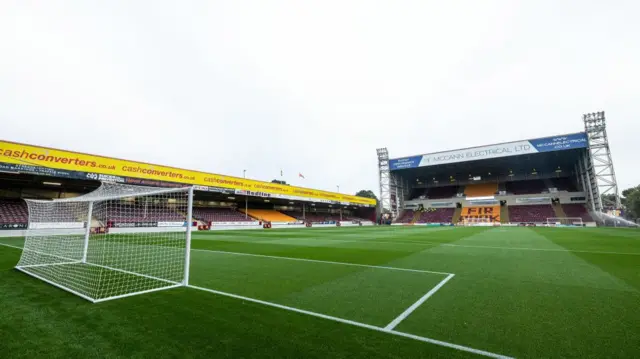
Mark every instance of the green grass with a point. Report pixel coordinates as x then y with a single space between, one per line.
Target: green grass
521 292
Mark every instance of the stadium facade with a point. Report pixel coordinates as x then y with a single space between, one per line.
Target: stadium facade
526 181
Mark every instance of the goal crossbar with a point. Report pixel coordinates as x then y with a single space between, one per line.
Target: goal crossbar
109 191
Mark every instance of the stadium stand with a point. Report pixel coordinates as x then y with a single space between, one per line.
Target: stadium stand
311 217
219 215
526 187
563 184
269 215
442 192
531 214
13 212
436 215
407 216
418 192
127 213
320 217
481 189
577 210
308 216
335 217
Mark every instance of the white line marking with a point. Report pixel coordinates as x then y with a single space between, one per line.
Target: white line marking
138 293
434 244
10 246
75 261
40 253
132 273
357 324
297 259
418 303
539 249
56 284
321 261
49 264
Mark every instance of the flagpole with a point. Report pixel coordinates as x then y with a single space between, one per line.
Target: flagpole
246 198
338 186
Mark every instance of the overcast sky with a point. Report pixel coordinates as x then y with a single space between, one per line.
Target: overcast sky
314 87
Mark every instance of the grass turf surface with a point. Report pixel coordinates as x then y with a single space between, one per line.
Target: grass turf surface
522 292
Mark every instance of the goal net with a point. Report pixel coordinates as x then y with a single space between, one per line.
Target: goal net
565 221
117 241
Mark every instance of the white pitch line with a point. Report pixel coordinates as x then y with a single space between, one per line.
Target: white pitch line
305 260
38 252
358 324
321 261
10 246
336 319
49 264
434 244
539 249
418 303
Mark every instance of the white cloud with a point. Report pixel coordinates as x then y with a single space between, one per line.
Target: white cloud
314 86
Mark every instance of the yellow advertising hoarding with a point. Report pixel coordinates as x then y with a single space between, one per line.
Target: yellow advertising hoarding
21 154
492 213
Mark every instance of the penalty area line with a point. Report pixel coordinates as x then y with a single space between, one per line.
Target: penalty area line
418 303
358 324
10 246
321 261
298 259
540 249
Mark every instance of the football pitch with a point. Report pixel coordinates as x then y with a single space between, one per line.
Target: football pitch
361 292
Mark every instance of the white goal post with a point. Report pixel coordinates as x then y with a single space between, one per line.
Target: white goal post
565 221
117 241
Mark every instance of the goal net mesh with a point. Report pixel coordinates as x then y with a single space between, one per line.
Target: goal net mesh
116 241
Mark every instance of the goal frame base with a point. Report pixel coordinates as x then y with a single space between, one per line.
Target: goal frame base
25 270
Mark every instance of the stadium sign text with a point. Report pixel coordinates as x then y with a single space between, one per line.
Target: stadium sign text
22 158
547 144
13 226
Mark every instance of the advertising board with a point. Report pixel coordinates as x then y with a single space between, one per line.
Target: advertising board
16 157
545 144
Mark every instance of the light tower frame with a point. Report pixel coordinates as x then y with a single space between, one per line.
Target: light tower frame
600 164
384 175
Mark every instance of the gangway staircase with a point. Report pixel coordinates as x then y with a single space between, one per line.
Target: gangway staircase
557 208
456 215
416 217
504 214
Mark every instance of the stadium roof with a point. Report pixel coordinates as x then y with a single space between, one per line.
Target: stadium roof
559 143
35 160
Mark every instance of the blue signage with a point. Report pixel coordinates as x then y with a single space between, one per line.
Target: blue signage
558 143
546 144
407 162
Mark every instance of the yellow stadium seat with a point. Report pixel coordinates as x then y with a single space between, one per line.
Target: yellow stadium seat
269 215
481 189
